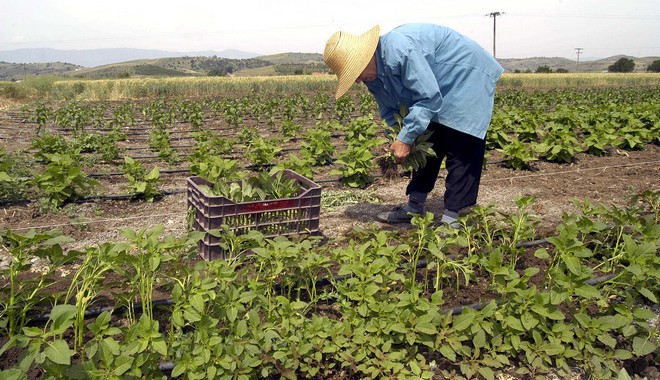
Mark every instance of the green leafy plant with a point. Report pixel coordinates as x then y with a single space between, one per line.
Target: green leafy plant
143 185
302 166
317 146
262 186
262 152
49 144
15 177
518 155
87 281
21 294
44 347
355 163
62 180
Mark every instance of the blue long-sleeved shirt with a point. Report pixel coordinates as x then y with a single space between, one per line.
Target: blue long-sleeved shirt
441 75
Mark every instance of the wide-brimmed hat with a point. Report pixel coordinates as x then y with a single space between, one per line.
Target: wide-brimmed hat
348 55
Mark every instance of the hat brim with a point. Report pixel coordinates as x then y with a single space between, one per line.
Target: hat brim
358 52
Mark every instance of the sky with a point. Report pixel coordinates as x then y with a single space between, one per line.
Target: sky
531 28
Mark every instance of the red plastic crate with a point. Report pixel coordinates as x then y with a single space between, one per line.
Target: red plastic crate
273 217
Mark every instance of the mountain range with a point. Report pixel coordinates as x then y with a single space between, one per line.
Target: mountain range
123 63
99 57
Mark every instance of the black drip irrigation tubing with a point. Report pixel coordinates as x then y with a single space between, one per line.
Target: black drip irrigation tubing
162 171
249 167
116 197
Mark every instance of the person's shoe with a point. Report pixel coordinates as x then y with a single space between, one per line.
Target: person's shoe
451 221
398 214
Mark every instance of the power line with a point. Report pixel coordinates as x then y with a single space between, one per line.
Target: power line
568 15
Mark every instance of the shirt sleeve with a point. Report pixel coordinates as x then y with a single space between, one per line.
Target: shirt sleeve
387 114
418 78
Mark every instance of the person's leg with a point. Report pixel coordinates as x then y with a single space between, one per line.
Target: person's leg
423 180
465 155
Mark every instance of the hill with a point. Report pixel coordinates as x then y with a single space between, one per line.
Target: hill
17 71
265 65
100 57
591 66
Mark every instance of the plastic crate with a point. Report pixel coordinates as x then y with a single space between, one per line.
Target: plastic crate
273 217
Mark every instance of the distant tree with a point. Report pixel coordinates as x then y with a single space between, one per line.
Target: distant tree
516 71
216 73
560 70
654 67
544 69
623 65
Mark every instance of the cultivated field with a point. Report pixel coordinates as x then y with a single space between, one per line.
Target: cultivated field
554 273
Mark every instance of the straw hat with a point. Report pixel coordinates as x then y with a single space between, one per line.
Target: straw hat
348 55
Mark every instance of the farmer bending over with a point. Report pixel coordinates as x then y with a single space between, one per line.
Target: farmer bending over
447 82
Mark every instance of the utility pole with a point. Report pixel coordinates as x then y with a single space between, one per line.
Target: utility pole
494 16
578 51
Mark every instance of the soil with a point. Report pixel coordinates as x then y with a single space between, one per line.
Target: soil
609 180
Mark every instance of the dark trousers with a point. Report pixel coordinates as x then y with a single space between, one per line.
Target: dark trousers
465 156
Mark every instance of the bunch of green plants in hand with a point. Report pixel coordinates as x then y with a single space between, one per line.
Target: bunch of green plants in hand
420 150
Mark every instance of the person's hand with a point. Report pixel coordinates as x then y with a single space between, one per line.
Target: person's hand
400 150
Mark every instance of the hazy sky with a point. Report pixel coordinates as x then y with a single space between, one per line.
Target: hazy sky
528 28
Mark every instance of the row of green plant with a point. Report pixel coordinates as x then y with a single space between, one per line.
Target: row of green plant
599 121
524 136
60 179
272 108
363 306
552 125
264 108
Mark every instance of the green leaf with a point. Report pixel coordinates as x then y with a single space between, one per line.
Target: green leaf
197 302
58 352
479 339
622 354
514 323
463 321
587 291
528 321
572 263
623 375
643 346
447 352
643 314
552 348
542 254
648 294
153 174
160 346
414 367
179 370
122 364
426 328
607 340
487 373
13 374
241 328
